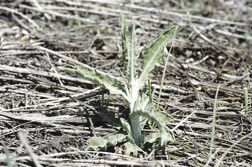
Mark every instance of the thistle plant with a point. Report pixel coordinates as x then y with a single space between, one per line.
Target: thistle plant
135 89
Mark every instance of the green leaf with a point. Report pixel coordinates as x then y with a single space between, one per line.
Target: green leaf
130 61
96 143
131 149
116 138
162 117
142 102
129 51
154 52
127 128
146 115
136 129
152 137
101 78
166 134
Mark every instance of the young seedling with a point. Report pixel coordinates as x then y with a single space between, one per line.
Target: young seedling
136 90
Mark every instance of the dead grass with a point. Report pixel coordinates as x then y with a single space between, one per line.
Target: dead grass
59 112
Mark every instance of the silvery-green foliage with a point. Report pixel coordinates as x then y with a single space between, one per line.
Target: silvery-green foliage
135 89
129 49
154 52
101 78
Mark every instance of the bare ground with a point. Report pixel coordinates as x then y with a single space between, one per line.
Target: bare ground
46 115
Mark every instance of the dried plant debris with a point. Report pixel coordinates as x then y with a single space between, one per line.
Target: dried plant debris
49 117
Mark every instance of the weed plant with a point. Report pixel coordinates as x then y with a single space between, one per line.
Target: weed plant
136 90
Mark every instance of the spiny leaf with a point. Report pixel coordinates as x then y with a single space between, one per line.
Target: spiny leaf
127 128
142 101
163 135
116 138
166 134
154 52
152 137
95 143
161 117
110 83
129 51
148 115
136 129
131 149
